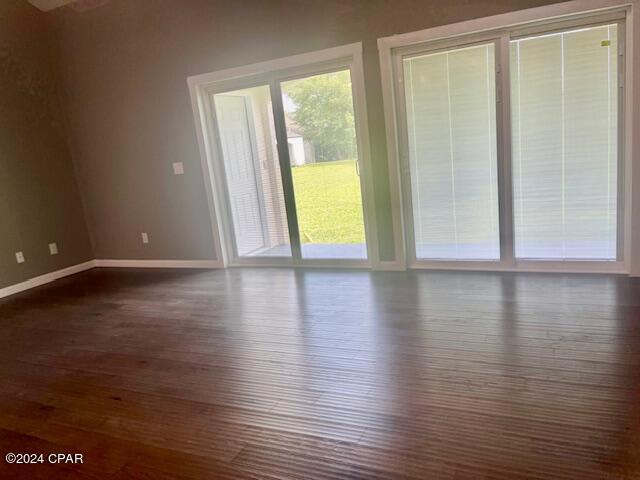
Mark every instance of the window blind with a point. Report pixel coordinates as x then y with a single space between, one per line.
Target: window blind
564 90
451 125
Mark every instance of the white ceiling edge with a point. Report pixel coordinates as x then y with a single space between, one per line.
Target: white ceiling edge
46 5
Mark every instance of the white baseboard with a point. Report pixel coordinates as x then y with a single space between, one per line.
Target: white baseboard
46 278
390 266
159 263
81 267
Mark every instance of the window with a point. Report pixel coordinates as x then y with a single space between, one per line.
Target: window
564 122
319 116
286 153
252 172
517 167
451 124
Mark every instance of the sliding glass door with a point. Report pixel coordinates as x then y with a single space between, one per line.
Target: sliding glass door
289 169
451 125
513 166
565 144
323 155
252 173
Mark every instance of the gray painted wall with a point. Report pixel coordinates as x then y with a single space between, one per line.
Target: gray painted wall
39 197
123 74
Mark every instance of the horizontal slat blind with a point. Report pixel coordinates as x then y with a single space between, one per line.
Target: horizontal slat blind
564 91
451 123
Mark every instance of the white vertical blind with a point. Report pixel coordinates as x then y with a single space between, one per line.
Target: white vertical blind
564 90
451 123
252 172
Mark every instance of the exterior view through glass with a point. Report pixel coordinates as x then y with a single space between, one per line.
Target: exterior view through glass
321 137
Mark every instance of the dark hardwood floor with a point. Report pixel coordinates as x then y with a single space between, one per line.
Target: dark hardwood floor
282 374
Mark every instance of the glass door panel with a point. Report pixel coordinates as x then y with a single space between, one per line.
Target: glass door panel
323 155
252 173
451 124
565 136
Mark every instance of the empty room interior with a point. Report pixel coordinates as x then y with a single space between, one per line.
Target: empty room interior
320 239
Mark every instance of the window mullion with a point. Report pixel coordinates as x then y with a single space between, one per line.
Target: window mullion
503 127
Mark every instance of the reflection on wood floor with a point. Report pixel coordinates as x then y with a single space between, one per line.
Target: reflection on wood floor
324 374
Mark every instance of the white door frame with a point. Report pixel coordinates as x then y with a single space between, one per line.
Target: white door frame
499 28
270 73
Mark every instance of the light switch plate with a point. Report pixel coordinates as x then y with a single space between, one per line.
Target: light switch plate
178 168
53 248
19 257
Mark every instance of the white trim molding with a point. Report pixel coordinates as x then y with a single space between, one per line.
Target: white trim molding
551 13
391 266
271 73
81 267
206 264
46 278
499 29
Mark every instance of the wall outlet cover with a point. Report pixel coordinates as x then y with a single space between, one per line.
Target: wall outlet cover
53 248
145 237
178 168
19 257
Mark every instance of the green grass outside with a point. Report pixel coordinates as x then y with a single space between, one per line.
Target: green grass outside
329 203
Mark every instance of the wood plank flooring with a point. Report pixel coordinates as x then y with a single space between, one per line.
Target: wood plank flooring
323 374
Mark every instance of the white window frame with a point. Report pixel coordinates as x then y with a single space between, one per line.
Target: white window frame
501 29
202 87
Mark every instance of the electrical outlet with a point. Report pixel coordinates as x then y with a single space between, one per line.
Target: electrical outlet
178 168
53 248
19 257
145 237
